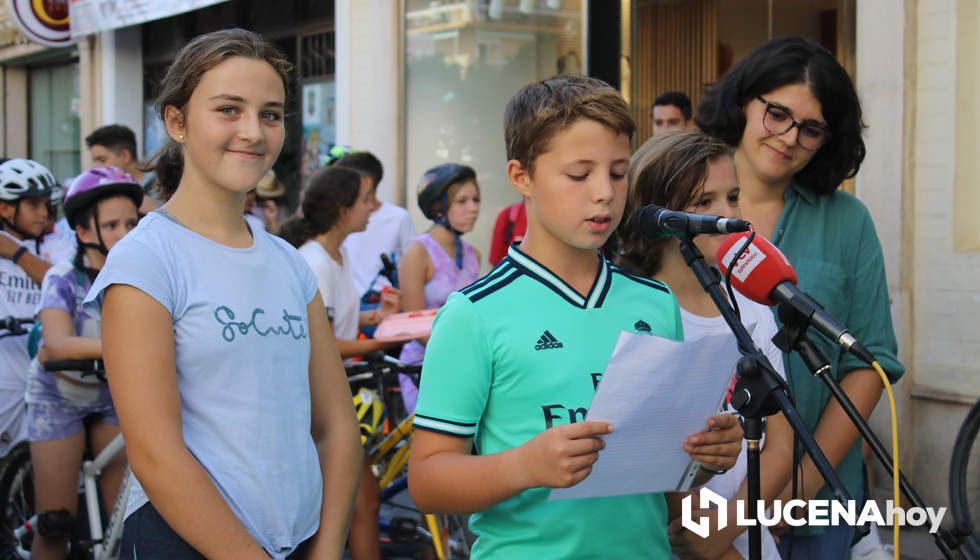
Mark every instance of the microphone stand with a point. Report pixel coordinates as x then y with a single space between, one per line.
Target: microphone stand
759 392
793 337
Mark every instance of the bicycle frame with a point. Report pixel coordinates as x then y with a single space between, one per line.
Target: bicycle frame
105 548
395 446
394 469
399 461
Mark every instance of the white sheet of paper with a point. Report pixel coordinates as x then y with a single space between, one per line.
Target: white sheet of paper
655 392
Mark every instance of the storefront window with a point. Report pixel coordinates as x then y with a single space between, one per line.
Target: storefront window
55 130
464 59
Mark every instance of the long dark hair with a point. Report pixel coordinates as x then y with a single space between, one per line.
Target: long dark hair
785 61
197 57
331 189
668 170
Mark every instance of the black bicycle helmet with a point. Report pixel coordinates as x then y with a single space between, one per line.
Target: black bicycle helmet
433 188
435 184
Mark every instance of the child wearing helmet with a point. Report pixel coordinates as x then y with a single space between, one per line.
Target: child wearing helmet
101 206
439 262
25 208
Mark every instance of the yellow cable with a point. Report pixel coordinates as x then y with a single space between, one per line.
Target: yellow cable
895 480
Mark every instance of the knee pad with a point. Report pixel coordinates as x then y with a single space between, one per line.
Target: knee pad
55 524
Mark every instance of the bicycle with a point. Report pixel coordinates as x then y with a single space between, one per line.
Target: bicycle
14 326
17 487
448 535
964 482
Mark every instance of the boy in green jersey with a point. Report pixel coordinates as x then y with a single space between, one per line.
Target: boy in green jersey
515 358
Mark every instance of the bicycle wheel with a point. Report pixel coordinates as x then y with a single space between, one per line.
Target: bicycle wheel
17 497
964 481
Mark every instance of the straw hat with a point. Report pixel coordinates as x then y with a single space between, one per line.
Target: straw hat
269 187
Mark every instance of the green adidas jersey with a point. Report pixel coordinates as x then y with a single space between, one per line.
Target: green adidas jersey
520 351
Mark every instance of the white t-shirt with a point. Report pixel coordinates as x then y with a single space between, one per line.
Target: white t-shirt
62 240
242 353
19 296
336 288
389 230
761 324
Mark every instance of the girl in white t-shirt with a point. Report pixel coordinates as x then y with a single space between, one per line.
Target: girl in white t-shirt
336 203
691 172
234 405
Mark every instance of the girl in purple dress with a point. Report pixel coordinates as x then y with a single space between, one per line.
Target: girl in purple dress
438 262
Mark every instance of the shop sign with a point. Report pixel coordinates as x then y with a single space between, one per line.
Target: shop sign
42 21
92 16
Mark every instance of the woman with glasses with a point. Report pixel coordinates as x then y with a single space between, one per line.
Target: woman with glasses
793 116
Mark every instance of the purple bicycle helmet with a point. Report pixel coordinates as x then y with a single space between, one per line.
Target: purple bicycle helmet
94 185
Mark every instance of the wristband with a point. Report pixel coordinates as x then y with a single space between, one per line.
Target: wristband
712 471
18 254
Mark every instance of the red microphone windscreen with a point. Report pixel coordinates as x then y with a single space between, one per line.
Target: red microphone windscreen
759 270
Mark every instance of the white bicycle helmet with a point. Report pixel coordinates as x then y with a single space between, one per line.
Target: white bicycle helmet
24 178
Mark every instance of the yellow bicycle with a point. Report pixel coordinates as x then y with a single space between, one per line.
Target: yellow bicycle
377 400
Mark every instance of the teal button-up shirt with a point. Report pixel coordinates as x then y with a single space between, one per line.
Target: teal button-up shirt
832 244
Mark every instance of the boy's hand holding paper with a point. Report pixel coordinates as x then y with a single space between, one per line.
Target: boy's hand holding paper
662 395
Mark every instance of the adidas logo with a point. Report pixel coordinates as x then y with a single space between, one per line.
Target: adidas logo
547 342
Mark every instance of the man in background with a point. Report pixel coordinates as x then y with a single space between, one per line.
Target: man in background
671 111
115 145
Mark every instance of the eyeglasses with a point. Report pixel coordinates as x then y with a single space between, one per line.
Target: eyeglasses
777 120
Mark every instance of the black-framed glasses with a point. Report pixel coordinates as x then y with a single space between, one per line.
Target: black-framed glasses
778 120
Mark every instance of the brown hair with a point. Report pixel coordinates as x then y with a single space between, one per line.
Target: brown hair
539 111
668 170
331 189
197 57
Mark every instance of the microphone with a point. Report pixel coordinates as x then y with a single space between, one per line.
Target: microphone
764 275
654 222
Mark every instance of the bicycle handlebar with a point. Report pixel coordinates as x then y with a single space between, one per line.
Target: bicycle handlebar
385 370
86 367
14 325
92 366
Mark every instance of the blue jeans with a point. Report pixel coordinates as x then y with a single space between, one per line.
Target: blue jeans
834 544
147 536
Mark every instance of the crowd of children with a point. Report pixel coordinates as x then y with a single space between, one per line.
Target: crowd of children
224 326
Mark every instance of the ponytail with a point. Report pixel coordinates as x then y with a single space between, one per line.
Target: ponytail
331 190
168 165
297 231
